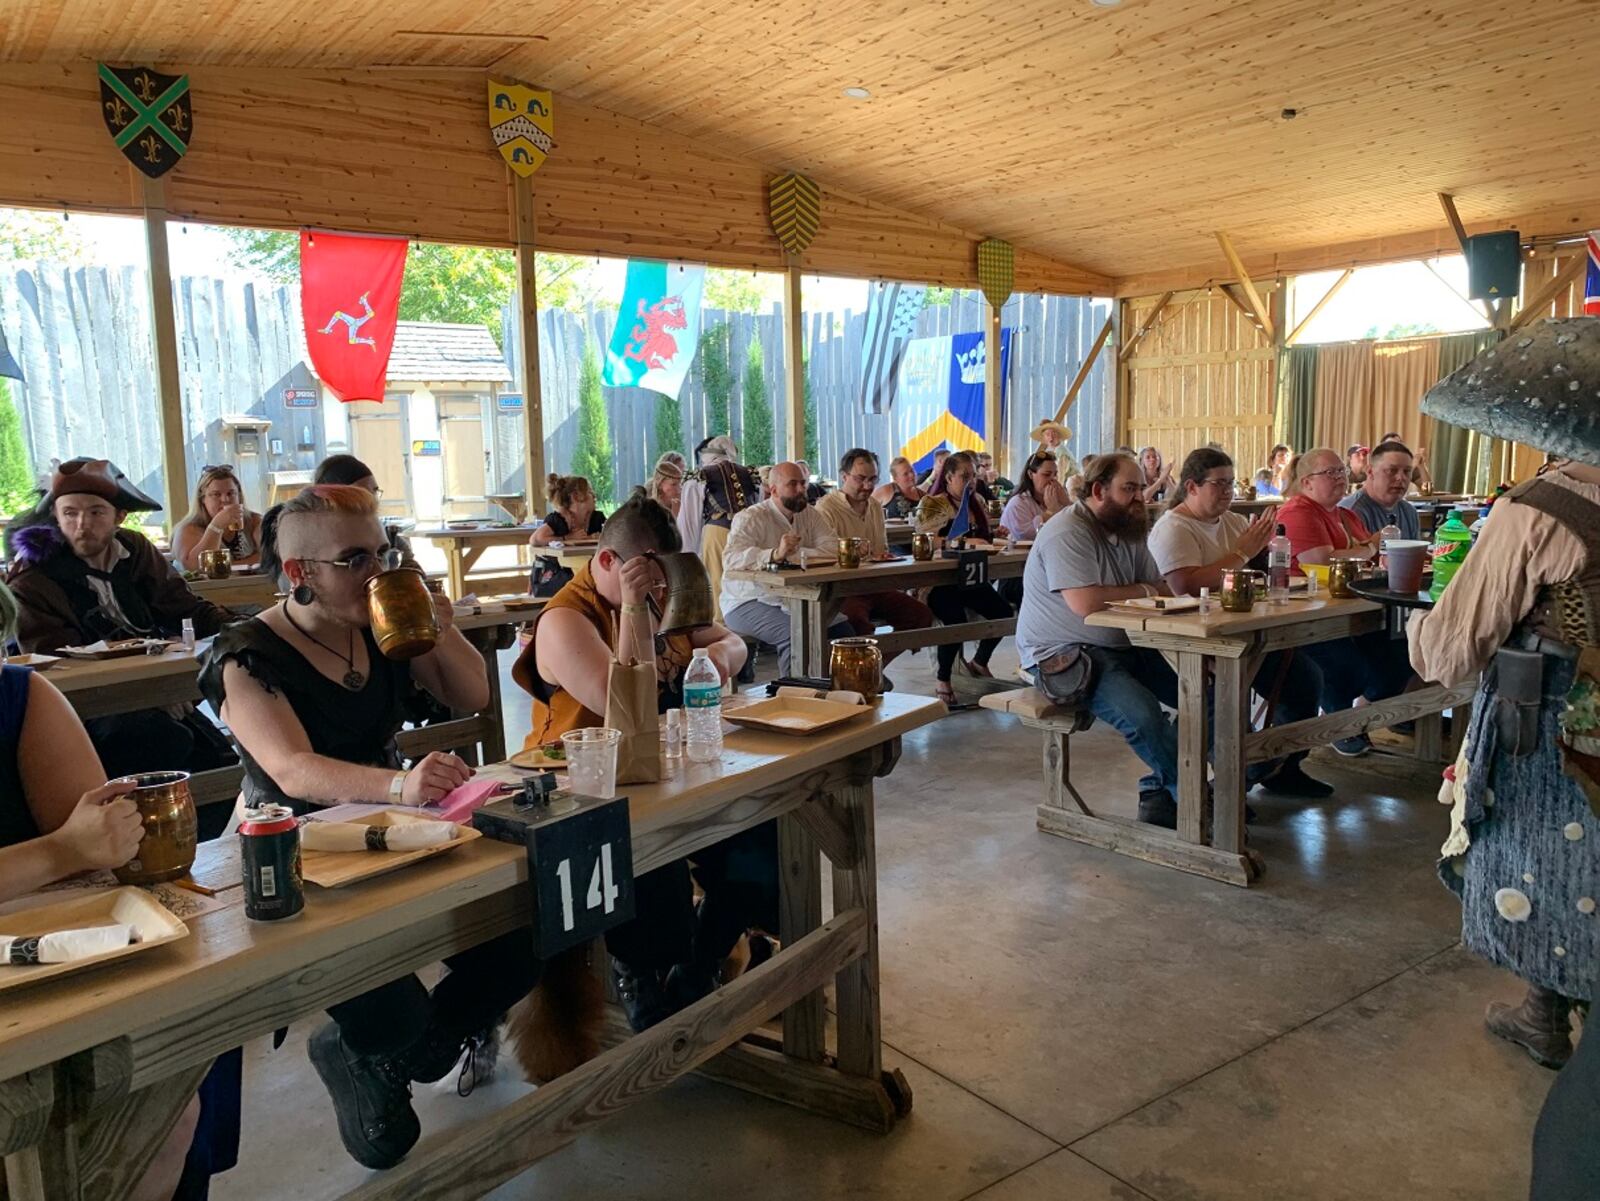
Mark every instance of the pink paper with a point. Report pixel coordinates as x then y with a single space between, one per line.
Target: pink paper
458 804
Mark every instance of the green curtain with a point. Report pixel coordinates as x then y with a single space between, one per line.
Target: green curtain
1458 457
1298 397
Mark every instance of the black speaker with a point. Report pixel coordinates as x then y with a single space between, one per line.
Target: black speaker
1494 265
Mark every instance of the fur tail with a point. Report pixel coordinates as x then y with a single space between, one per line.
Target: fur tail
557 1027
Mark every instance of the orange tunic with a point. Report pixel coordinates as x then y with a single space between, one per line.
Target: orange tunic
555 710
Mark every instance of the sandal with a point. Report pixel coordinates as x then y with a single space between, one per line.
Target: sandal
943 690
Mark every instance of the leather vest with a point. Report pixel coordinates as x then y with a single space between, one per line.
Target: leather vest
1568 612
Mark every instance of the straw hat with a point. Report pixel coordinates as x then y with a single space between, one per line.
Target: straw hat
1048 424
1540 387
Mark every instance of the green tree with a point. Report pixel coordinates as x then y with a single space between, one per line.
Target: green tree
16 472
756 446
592 459
26 235
738 291
939 296
716 379
669 424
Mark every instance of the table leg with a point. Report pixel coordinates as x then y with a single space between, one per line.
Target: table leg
494 742
856 887
1192 746
1232 709
1428 737
799 913
469 558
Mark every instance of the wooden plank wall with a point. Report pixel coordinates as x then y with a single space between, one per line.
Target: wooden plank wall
1204 373
409 152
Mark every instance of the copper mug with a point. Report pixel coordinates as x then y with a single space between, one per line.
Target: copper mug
1341 574
1239 589
216 564
856 665
166 808
997 508
850 552
401 607
922 547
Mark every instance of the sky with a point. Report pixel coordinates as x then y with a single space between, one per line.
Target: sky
1376 297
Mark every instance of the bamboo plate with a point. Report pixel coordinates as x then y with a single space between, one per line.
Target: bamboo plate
121 649
137 908
335 869
797 715
37 662
535 757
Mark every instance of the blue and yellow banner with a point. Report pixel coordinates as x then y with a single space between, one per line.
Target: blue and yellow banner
940 394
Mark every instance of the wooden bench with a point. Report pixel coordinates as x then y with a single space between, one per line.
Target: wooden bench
1059 723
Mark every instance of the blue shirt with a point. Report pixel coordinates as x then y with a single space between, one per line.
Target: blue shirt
1374 516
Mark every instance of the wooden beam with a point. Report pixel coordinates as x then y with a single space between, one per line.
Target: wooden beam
994 436
1083 371
794 366
1227 290
1144 327
1294 334
1480 307
527 223
1263 318
164 336
1541 300
1448 203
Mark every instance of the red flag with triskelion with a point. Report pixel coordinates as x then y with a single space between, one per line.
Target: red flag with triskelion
350 302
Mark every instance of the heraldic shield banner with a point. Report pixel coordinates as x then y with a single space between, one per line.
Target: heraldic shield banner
658 327
522 120
148 114
350 302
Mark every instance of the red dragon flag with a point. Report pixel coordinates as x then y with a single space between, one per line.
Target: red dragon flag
658 327
350 303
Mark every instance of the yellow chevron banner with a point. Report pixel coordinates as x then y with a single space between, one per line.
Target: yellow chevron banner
997 270
795 210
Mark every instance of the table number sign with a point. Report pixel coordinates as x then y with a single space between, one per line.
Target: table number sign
580 864
972 567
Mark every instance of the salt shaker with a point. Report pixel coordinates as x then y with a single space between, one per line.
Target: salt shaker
674 734
1205 602
188 634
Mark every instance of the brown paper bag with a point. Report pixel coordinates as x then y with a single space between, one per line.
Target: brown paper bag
631 708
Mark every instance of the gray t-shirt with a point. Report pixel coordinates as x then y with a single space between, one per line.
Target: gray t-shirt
1073 551
1374 516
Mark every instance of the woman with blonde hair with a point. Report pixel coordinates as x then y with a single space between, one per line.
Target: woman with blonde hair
666 482
900 496
218 520
1157 475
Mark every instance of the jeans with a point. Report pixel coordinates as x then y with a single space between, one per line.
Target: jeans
1130 685
1371 665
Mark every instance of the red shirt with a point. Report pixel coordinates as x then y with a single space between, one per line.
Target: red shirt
1309 525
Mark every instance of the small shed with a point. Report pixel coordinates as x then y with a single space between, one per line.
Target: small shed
448 433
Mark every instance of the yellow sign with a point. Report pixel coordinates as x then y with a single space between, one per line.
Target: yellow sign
522 120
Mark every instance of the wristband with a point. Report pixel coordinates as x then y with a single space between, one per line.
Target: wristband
397 787
631 609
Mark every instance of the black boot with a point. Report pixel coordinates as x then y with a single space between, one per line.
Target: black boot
644 996
432 1056
688 982
371 1100
1541 1025
1157 808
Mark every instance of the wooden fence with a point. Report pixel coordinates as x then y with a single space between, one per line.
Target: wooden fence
82 336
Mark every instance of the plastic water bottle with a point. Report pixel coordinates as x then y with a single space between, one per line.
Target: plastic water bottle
188 634
1451 542
1278 556
702 704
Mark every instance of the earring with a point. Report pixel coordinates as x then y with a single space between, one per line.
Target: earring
301 594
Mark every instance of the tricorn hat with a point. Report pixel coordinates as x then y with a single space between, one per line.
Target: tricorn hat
1049 424
1540 387
102 478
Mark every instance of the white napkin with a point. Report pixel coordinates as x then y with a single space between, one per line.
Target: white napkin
843 695
65 946
348 836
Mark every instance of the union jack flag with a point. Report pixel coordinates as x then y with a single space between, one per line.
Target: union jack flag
1591 288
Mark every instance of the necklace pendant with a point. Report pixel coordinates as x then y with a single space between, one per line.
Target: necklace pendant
354 680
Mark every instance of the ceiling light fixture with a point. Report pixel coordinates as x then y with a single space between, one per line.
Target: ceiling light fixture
858 93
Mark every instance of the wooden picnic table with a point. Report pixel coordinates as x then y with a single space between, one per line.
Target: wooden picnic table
243 592
812 597
102 687
1226 649
463 548
94 1068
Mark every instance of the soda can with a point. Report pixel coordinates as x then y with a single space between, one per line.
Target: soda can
269 842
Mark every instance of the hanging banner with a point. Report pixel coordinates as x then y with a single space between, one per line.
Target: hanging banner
940 388
523 122
892 312
997 270
148 114
794 206
350 303
658 327
1591 286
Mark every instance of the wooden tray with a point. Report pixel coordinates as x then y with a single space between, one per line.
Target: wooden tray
1159 604
535 757
37 662
121 649
335 869
796 715
131 905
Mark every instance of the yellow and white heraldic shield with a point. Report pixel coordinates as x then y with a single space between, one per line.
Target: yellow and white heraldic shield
522 120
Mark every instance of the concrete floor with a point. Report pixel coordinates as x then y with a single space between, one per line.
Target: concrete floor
1080 1025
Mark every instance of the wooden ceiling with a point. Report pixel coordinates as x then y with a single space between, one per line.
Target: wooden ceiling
1115 138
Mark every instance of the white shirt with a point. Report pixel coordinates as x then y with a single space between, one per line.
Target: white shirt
692 514
755 534
1178 540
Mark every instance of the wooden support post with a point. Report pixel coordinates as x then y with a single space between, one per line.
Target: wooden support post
1144 327
1192 741
164 334
1252 297
1232 692
1448 203
799 913
1083 371
856 996
1294 334
794 365
993 431
528 321
1541 300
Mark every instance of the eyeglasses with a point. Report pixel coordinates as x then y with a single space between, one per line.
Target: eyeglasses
364 561
1337 473
217 469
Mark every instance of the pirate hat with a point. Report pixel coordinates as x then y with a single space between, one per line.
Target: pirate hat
102 478
1049 424
1540 387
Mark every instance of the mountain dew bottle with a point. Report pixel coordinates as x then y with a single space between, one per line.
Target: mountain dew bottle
1451 542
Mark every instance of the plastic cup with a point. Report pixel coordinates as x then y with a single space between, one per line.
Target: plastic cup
1407 558
592 760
